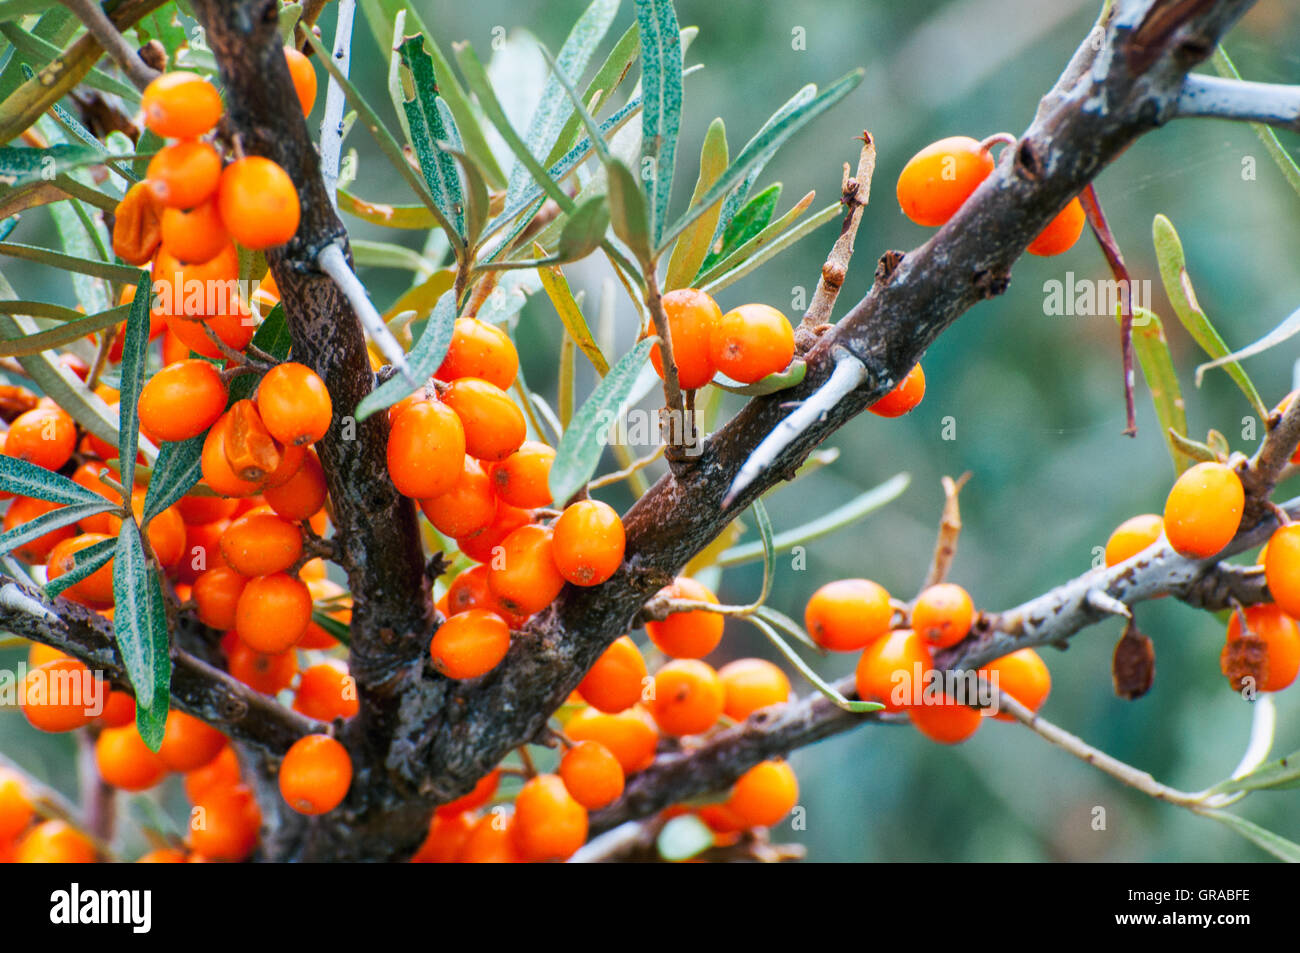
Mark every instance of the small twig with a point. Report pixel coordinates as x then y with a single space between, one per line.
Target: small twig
855 192
530 769
334 264
229 352
674 403
1265 470
1213 97
945 547
1110 248
331 125
98 800
619 475
101 357
113 42
848 374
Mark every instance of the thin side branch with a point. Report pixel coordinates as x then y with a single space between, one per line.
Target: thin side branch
333 262
945 547
1213 97
114 43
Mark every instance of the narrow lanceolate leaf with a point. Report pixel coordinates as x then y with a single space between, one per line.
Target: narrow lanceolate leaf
124 274
599 91
45 55
752 218
808 672
424 359
389 216
749 246
140 628
478 201
584 230
428 128
767 250
567 387
781 380
135 348
1290 171
580 448
683 837
27 479
553 108
62 516
84 562
1178 285
1275 844
1284 773
629 213
557 289
661 88
764 523
760 147
384 139
693 245
175 473
25 344
837 519
20 166
1288 329
423 296
1152 349
332 626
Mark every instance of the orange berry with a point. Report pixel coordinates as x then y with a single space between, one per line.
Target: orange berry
196 290
426 450
523 575
749 684
315 774
549 823
23 510
1203 510
481 350
468 507
764 794
234 328
205 509
592 775
1282 568
693 317
469 590
215 594
268 674
260 543
848 614
222 772
180 105
482 792
1023 675
217 472
184 175
588 542
137 226
888 669
45 436
54 842
491 840
480 546
97 588
521 479
188 743
125 761
251 451
1281 640
943 615
494 426
691 634
617 679
470 644
446 839
688 697
16 810
292 457
303 494
294 403
224 823
946 721
752 341
906 394
61 695
182 400
194 234
631 736
326 691
1132 536
940 178
1061 232
303 76
258 203
119 710
272 612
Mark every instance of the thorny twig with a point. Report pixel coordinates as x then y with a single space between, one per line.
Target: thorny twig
945 547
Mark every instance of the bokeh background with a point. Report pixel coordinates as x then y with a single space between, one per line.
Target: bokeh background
1036 400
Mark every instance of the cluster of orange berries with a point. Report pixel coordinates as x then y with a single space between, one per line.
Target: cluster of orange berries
184 219
938 180
747 344
1202 515
851 615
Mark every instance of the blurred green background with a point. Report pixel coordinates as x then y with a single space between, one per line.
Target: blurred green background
1036 401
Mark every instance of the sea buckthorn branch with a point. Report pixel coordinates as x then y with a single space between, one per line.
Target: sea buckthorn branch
1271 460
1212 97
945 547
199 689
114 43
